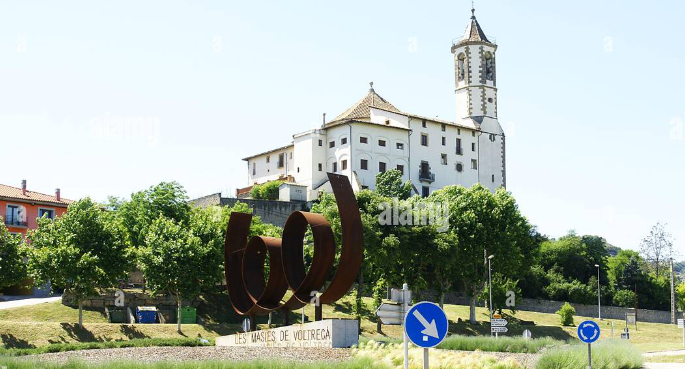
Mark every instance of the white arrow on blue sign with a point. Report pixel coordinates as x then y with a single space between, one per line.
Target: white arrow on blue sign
588 331
426 324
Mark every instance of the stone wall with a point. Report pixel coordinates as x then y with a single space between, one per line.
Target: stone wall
551 307
131 299
271 211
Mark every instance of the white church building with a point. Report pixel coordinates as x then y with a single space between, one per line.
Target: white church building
374 135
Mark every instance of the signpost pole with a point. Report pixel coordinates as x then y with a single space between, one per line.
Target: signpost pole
425 358
684 335
405 287
589 356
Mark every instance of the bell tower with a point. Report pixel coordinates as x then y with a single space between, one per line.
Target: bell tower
475 75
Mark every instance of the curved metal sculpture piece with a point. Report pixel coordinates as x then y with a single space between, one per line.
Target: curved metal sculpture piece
244 261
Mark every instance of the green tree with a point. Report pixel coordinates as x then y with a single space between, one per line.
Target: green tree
180 261
168 199
83 251
12 253
266 191
389 184
485 223
502 297
657 248
624 298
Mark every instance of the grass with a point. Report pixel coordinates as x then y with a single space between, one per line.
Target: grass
609 354
501 344
666 359
50 323
392 355
146 342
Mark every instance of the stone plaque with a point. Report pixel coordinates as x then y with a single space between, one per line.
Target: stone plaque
331 333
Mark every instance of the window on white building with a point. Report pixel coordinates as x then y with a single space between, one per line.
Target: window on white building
331 144
364 164
443 127
400 168
381 143
400 146
473 146
461 67
493 178
381 167
335 167
474 164
443 159
268 159
458 131
343 141
460 167
423 123
424 139
425 191
489 67
492 138
444 141
363 140
254 168
281 160
320 167
460 151
343 164
320 142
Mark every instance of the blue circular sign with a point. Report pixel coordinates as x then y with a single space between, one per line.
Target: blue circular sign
426 324
588 331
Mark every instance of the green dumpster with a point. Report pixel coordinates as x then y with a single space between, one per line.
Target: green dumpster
116 315
188 315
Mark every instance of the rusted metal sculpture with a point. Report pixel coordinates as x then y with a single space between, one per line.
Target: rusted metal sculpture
251 295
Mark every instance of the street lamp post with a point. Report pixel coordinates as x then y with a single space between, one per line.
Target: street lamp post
490 289
599 300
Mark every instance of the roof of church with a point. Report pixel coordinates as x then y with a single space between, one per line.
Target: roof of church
361 110
473 30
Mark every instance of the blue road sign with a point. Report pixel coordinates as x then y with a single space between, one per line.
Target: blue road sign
426 324
588 331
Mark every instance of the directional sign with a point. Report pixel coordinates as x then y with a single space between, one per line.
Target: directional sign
400 296
681 323
499 330
498 323
390 314
426 324
588 331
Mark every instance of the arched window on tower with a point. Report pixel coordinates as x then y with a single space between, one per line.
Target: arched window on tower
461 67
489 67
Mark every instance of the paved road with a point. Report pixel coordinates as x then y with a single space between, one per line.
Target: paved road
664 366
14 301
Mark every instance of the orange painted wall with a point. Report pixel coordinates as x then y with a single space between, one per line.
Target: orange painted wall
31 214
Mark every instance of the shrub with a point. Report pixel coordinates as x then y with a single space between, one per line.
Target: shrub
608 354
624 298
266 191
566 313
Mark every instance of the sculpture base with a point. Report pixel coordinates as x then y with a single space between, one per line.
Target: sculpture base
331 333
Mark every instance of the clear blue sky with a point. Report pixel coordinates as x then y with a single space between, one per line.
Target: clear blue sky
590 94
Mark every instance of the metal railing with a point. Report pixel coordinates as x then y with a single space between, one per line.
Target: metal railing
15 223
426 176
459 40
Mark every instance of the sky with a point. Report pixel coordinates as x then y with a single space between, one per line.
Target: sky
107 98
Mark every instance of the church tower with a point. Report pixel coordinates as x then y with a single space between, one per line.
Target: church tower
475 85
475 74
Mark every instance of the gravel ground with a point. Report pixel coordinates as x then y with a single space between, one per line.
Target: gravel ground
154 354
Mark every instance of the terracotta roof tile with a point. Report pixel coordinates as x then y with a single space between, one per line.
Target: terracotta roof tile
15 193
361 110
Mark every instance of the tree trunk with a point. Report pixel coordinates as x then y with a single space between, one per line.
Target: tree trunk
472 310
80 313
178 319
442 299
